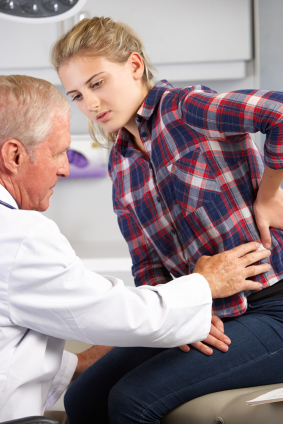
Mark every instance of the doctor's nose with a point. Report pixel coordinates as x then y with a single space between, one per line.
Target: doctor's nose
64 169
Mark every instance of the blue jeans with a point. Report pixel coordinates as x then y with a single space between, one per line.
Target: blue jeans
140 385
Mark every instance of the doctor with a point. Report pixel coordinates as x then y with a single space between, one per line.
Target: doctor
46 294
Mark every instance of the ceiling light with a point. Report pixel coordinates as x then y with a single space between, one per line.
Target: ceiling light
39 11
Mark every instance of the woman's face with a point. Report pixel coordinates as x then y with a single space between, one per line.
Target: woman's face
107 93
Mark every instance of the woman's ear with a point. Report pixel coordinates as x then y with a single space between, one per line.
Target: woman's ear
137 66
13 155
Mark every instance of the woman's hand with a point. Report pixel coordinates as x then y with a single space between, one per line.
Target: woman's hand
268 210
216 338
268 206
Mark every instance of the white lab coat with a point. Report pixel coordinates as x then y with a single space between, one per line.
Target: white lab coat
47 296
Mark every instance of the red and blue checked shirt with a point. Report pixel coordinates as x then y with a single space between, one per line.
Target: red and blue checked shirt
195 196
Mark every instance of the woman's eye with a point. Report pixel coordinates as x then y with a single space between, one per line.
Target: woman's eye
96 84
77 97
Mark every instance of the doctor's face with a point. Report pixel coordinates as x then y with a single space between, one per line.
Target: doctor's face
38 177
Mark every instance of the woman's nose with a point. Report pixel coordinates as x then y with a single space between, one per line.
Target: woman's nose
92 102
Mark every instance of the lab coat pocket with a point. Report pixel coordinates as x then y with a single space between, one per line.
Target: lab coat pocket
5 361
3 379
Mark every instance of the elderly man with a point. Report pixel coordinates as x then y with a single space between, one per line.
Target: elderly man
46 294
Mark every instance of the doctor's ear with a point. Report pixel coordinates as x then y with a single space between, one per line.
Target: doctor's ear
13 155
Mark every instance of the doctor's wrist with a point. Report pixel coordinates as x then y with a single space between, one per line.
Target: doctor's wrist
89 357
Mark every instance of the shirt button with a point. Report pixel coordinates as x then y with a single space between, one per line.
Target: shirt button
144 134
139 118
173 231
150 166
158 199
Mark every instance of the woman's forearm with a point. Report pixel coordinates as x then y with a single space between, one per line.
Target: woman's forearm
268 206
270 183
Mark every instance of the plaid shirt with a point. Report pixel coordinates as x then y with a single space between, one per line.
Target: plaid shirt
195 196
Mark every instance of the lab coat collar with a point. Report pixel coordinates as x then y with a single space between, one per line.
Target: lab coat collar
6 197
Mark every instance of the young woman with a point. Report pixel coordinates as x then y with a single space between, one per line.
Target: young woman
187 181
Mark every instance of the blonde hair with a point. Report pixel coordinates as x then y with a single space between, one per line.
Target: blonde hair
101 36
27 108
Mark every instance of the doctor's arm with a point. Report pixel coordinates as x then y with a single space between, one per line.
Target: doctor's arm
71 302
51 292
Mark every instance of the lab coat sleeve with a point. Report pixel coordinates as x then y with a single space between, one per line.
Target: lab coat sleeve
51 292
62 378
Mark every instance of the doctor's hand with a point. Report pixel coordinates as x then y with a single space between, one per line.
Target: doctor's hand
216 338
227 273
89 357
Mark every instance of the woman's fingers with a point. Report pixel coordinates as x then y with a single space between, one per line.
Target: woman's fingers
217 335
217 343
202 348
265 237
184 348
218 323
216 338
212 341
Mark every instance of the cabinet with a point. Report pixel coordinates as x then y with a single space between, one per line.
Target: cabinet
187 39
184 38
24 48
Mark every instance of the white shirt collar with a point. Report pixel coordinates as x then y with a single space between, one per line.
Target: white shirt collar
6 197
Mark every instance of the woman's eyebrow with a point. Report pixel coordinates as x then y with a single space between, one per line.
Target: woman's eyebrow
95 75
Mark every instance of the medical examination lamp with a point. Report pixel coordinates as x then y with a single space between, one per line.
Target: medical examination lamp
39 11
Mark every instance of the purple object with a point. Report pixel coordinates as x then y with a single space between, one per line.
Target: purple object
77 158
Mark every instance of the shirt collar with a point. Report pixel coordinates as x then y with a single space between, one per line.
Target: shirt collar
145 111
152 99
6 197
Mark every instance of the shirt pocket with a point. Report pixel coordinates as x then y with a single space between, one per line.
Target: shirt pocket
193 182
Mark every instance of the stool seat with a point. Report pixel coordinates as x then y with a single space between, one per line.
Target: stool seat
228 407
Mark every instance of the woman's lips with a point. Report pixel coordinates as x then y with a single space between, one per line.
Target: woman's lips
102 117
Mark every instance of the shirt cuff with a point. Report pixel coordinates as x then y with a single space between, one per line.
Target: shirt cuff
203 288
63 377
